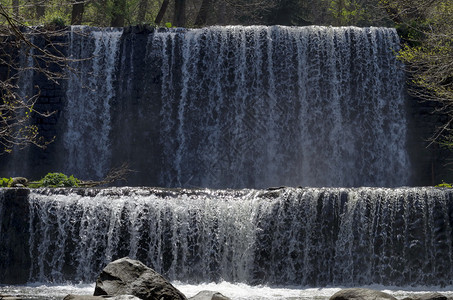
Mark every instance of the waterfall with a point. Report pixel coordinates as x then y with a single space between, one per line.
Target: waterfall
17 164
303 236
25 80
233 107
268 106
90 91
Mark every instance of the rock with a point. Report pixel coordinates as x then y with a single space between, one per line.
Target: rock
361 294
209 295
19 181
87 297
4 297
428 296
81 297
131 277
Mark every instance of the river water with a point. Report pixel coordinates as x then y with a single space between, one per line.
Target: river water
235 291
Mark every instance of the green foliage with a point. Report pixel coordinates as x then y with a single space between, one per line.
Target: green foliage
445 185
428 55
5 182
345 12
58 22
412 32
56 18
245 12
56 180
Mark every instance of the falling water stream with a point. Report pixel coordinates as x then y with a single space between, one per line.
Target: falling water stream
304 237
270 106
235 107
89 93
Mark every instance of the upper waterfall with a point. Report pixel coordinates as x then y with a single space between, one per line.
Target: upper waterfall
261 106
89 93
230 107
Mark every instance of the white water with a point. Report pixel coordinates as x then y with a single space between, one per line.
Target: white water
301 237
234 107
89 93
239 107
236 291
247 244
268 106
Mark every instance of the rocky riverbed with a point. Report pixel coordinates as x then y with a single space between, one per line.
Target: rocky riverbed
130 279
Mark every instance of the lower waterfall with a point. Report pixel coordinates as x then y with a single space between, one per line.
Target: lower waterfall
290 236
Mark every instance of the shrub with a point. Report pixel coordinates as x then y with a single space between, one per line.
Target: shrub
56 180
445 185
5 182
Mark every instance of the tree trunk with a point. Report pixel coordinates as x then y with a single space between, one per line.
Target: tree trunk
179 19
119 8
16 8
77 13
206 7
162 11
40 9
143 7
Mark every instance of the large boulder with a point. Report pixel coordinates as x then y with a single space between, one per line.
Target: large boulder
209 295
361 294
131 277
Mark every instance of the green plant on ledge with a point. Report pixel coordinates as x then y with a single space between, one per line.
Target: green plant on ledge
5 182
445 185
56 180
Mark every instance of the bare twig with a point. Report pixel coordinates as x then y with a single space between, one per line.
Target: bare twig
115 174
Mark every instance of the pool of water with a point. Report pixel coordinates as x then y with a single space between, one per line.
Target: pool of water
235 291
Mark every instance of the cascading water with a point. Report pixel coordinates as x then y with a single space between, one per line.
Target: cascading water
90 91
239 107
304 237
235 107
262 106
17 164
25 82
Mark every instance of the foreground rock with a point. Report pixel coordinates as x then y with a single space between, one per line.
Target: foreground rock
361 294
209 295
130 277
428 296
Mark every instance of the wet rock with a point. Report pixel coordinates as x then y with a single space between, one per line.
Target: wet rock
131 277
361 294
19 182
428 296
82 297
209 295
